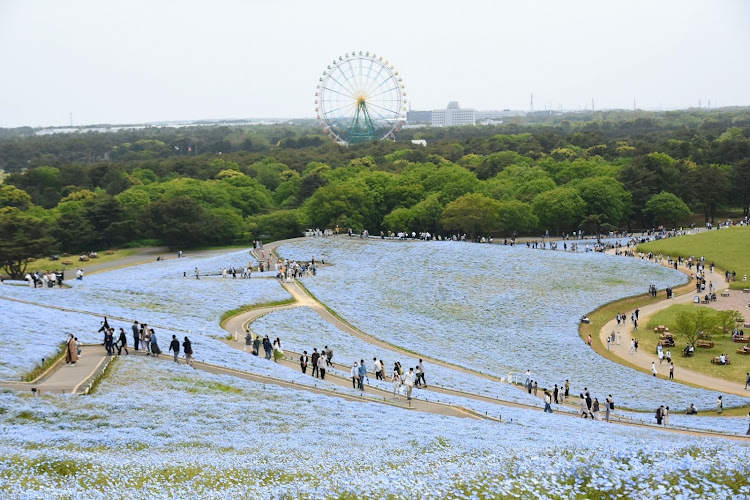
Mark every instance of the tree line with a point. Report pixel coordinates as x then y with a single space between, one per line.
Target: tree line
514 179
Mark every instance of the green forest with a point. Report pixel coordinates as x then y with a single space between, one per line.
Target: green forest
218 185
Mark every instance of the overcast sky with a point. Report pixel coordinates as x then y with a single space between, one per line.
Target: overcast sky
112 61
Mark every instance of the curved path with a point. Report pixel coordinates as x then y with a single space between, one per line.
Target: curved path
643 359
69 379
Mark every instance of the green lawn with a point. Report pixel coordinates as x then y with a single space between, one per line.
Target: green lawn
54 265
701 360
728 248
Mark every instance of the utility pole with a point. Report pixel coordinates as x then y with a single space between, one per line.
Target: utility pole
71 118
532 103
634 104
592 104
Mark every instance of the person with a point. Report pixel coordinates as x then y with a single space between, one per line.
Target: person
248 339
122 342
692 410
530 386
668 356
322 367
609 404
659 414
154 344
589 401
197 274
596 409
421 373
396 380
409 381
303 361
71 353
653 369
78 346
589 341
314 359
555 393
748 425
187 348
528 378
719 405
355 375
660 355
378 369
665 415
109 342
535 387
174 346
362 374
747 380
636 345
584 408
136 335
632 346
671 371
267 348
256 345
79 274
567 388
329 356
547 401
278 353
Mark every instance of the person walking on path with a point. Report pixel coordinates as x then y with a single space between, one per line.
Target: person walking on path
547 402
748 425
303 361
609 405
671 371
187 348
584 408
314 359
567 388
597 416
555 393
256 345
136 335
267 348
322 367
154 344
665 415
421 373
278 352
197 274
122 343
653 369
109 342
248 339
660 355
747 380
719 405
535 387
71 353
659 414
362 374
174 346
396 380
409 381
355 375
329 356
632 346
378 368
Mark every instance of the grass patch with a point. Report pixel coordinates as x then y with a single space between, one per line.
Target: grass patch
49 264
727 248
104 373
45 365
701 360
249 307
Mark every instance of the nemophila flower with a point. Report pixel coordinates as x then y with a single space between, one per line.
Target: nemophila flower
493 308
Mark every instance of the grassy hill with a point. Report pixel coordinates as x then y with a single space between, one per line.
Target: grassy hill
728 248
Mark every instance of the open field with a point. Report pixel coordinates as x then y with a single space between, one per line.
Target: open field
701 360
728 248
48 264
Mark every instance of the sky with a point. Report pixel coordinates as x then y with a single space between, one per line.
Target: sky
143 61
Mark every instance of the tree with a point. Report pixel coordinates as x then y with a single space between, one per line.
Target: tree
515 216
711 187
474 213
666 208
605 197
22 236
690 325
11 196
560 208
726 321
179 222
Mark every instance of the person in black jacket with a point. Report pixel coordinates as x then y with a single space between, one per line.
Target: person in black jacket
303 361
136 335
109 342
175 346
122 343
187 348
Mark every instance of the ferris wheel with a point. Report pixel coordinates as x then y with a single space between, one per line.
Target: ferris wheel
360 98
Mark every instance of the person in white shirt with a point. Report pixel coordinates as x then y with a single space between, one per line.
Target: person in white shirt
409 382
378 369
355 374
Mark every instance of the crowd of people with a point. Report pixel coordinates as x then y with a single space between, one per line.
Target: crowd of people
46 279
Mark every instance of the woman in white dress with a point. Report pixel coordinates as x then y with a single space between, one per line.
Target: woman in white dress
396 379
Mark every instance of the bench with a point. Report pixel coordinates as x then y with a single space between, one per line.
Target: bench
740 340
704 302
717 361
746 290
725 293
743 350
705 343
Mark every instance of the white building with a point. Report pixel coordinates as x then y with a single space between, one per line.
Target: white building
453 116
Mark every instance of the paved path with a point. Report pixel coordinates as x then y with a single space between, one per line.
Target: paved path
63 378
643 359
